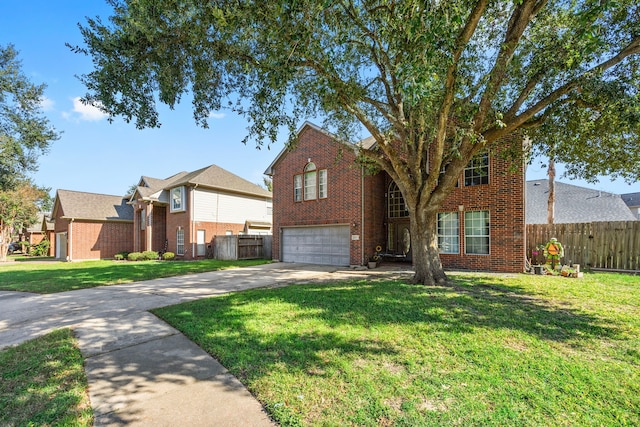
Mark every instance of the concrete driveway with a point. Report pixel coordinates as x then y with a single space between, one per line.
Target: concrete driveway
141 371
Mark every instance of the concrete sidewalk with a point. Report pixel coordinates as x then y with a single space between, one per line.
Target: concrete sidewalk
140 370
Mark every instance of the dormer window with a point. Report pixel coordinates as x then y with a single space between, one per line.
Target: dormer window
177 199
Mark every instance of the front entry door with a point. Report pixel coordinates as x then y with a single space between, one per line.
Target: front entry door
399 239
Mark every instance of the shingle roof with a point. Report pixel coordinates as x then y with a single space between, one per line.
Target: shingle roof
574 204
91 206
211 176
215 177
631 199
366 143
36 227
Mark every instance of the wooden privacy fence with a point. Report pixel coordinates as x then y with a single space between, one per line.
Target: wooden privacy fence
597 245
232 248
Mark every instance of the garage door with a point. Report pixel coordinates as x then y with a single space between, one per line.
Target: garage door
316 245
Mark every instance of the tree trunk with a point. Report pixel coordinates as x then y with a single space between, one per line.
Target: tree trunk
551 202
424 246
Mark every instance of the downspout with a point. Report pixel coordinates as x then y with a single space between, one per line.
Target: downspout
362 228
193 225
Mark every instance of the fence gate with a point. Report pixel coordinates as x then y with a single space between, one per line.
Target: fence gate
250 247
242 247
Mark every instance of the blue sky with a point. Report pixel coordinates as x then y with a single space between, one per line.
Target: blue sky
96 156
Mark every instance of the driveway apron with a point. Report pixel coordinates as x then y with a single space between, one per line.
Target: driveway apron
140 370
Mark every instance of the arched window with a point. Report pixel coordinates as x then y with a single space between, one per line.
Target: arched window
397 208
310 181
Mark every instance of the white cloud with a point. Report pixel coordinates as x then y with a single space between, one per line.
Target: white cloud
216 115
46 104
86 112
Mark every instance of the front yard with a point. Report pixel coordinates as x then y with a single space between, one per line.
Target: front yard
488 350
52 276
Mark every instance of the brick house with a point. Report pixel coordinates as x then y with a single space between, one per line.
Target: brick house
184 212
327 210
42 229
91 226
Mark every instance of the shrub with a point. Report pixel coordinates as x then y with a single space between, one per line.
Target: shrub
121 255
118 257
134 256
168 256
149 255
41 249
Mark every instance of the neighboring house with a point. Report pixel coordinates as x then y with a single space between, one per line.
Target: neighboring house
91 226
327 210
633 202
40 230
183 213
574 204
48 227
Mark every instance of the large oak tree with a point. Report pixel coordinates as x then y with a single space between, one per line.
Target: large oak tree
444 78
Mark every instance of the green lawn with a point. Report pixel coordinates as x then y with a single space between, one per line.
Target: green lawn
51 277
42 383
517 350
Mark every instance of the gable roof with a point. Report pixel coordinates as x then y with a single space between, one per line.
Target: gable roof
631 199
36 227
366 143
574 204
91 206
215 177
211 177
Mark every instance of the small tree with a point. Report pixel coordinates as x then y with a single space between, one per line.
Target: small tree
18 208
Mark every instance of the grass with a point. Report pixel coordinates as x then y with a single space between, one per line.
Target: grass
54 277
43 383
488 350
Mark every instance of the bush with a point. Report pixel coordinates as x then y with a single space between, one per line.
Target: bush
118 257
121 255
168 256
41 249
149 255
134 256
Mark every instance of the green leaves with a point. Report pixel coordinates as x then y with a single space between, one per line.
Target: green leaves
24 133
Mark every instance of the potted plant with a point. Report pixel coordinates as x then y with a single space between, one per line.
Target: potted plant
373 261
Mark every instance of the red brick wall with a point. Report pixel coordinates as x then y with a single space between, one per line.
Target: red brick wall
344 190
99 240
159 220
503 197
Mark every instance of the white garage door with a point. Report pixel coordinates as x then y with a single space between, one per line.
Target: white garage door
327 245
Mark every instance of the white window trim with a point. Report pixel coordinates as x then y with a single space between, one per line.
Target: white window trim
183 203
456 236
473 167
180 241
487 236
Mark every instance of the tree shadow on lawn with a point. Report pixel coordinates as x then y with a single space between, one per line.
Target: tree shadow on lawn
222 323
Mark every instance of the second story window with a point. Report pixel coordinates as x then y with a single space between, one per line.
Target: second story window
177 199
312 184
477 171
297 188
310 181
